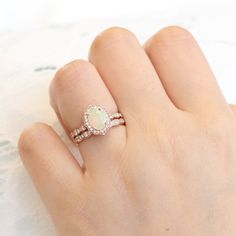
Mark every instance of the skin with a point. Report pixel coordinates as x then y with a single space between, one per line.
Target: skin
170 171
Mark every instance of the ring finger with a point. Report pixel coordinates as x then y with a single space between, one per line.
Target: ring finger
74 88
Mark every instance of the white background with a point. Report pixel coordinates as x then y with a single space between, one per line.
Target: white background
37 37
30 13
15 14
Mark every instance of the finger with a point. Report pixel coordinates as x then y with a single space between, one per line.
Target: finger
52 167
128 73
184 71
74 88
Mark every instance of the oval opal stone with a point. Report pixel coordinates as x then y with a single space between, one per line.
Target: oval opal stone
97 118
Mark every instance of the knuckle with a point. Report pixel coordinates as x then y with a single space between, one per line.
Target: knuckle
169 35
70 73
111 36
31 137
175 31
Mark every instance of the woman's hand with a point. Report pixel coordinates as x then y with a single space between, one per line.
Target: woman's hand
170 171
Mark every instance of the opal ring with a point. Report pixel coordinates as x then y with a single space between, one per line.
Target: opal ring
96 122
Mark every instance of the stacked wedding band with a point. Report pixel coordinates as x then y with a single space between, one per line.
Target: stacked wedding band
96 122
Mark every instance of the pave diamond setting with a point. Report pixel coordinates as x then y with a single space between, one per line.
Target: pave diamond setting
97 120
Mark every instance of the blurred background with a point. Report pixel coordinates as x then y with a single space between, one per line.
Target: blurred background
38 37
26 14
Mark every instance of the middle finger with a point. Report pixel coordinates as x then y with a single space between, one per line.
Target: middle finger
129 74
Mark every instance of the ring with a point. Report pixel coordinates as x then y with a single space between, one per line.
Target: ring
96 122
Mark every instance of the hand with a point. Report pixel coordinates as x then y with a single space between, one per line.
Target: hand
170 171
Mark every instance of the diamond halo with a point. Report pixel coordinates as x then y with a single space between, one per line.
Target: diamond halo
97 120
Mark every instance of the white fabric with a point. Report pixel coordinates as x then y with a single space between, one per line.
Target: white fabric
28 60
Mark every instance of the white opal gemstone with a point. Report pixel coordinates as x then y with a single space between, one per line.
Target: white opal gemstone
97 118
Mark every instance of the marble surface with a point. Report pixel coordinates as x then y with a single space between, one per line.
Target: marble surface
30 57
